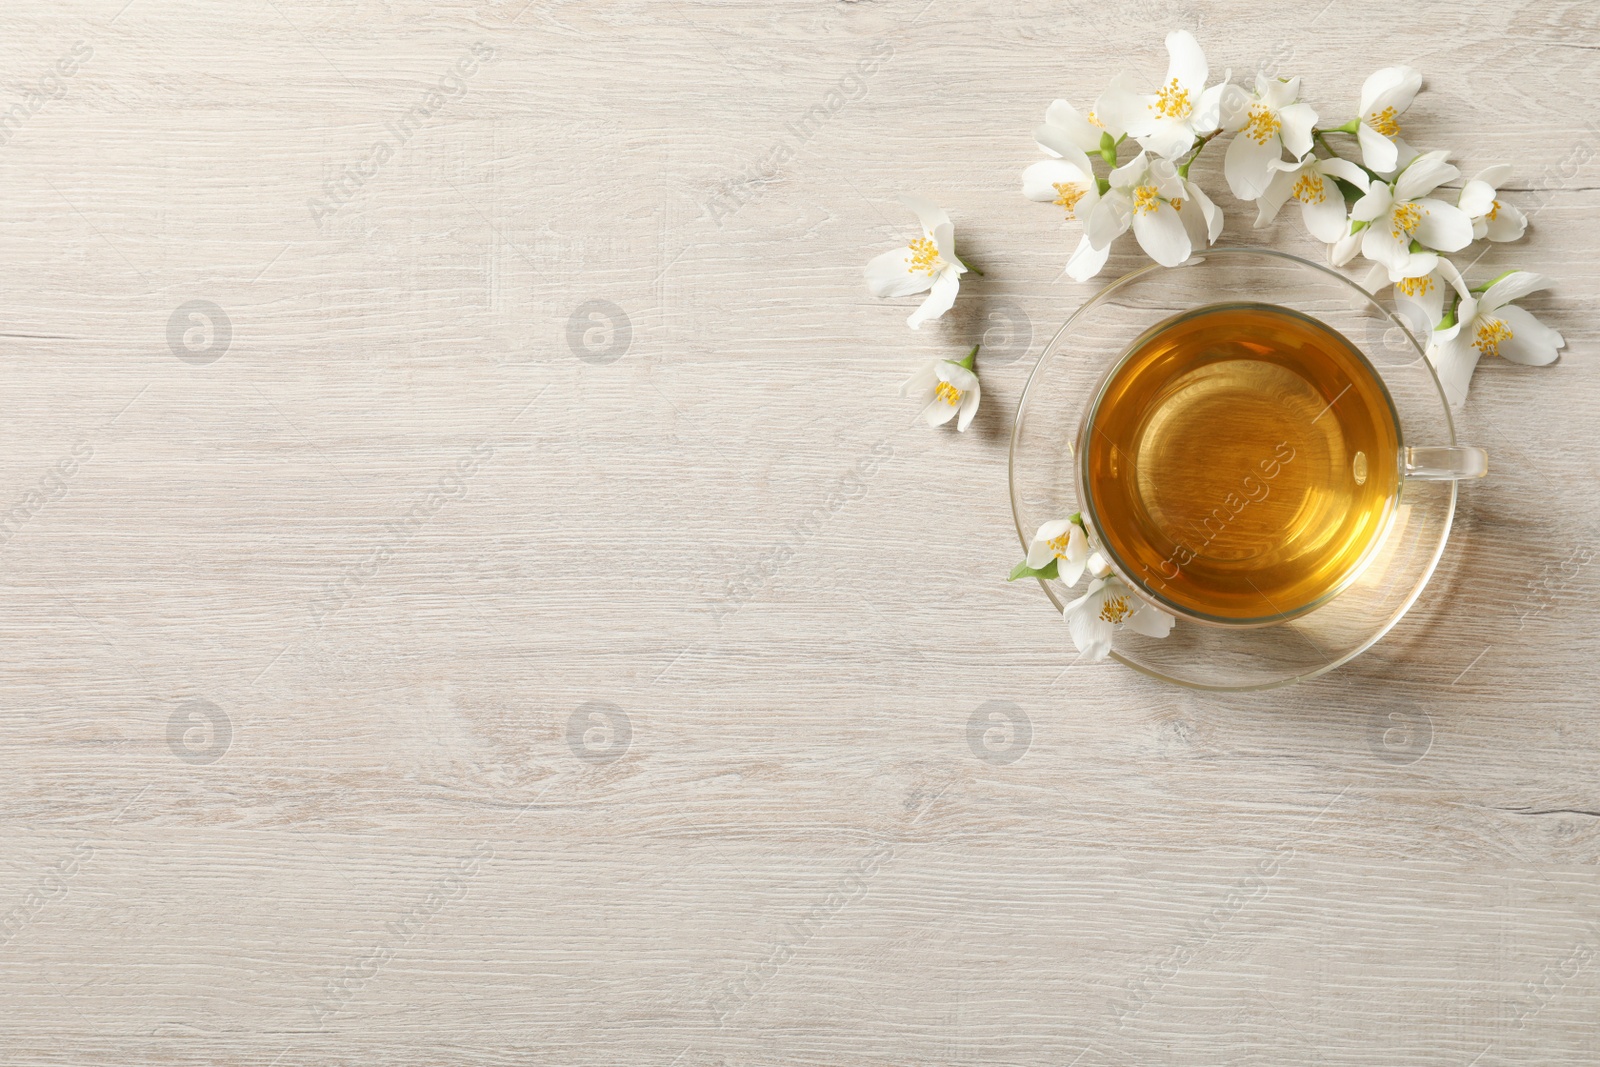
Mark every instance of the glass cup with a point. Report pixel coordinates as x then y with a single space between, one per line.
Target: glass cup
1061 402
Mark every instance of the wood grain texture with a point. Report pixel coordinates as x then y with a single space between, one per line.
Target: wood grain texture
401 688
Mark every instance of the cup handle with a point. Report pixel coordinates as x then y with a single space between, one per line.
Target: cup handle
1446 463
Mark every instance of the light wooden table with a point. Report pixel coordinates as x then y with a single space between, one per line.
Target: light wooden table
425 669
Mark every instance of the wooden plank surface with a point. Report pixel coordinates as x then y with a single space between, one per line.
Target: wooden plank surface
385 683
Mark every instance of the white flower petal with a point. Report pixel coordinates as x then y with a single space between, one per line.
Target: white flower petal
1090 633
1269 203
1392 87
922 383
1040 179
1415 265
1423 175
1325 219
937 413
1296 121
1188 64
940 298
1532 343
1422 310
929 214
1277 94
1496 175
1344 250
1377 151
1248 165
1168 138
1508 224
1477 198
1210 211
1150 621
891 275
1108 221
950 371
1207 115
1514 286
1454 360
1064 125
1346 170
1087 261
1374 205
1121 107
1233 107
1039 553
969 406
1379 244
1131 173
1053 529
1404 155
1162 236
944 239
1443 226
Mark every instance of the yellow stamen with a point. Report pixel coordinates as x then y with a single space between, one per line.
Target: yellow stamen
1384 122
1094 120
1415 286
1490 336
1146 199
1494 210
1172 102
924 257
1176 202
948 393
1058 545
1115 609
1263 124
1310 189
1404 220
1069 195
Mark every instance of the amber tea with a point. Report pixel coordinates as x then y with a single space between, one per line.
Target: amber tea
1241 461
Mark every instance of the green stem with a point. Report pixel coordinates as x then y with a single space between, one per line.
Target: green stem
969 266
1183 170
1484 288
972 358
1350 127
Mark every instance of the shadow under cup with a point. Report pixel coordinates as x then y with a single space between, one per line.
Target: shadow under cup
1339 611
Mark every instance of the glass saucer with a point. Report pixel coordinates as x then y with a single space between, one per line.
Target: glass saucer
1220 657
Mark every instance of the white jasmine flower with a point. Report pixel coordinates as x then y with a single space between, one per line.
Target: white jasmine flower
1167 122
1145 194
1487 325
1491 217
1384 98
928 264
1068 181
1093 618
1310 181
1063 541
948 390
1272 120
1401 213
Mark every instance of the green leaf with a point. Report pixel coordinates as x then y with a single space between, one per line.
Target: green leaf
1349 190
1356 225
1022 570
